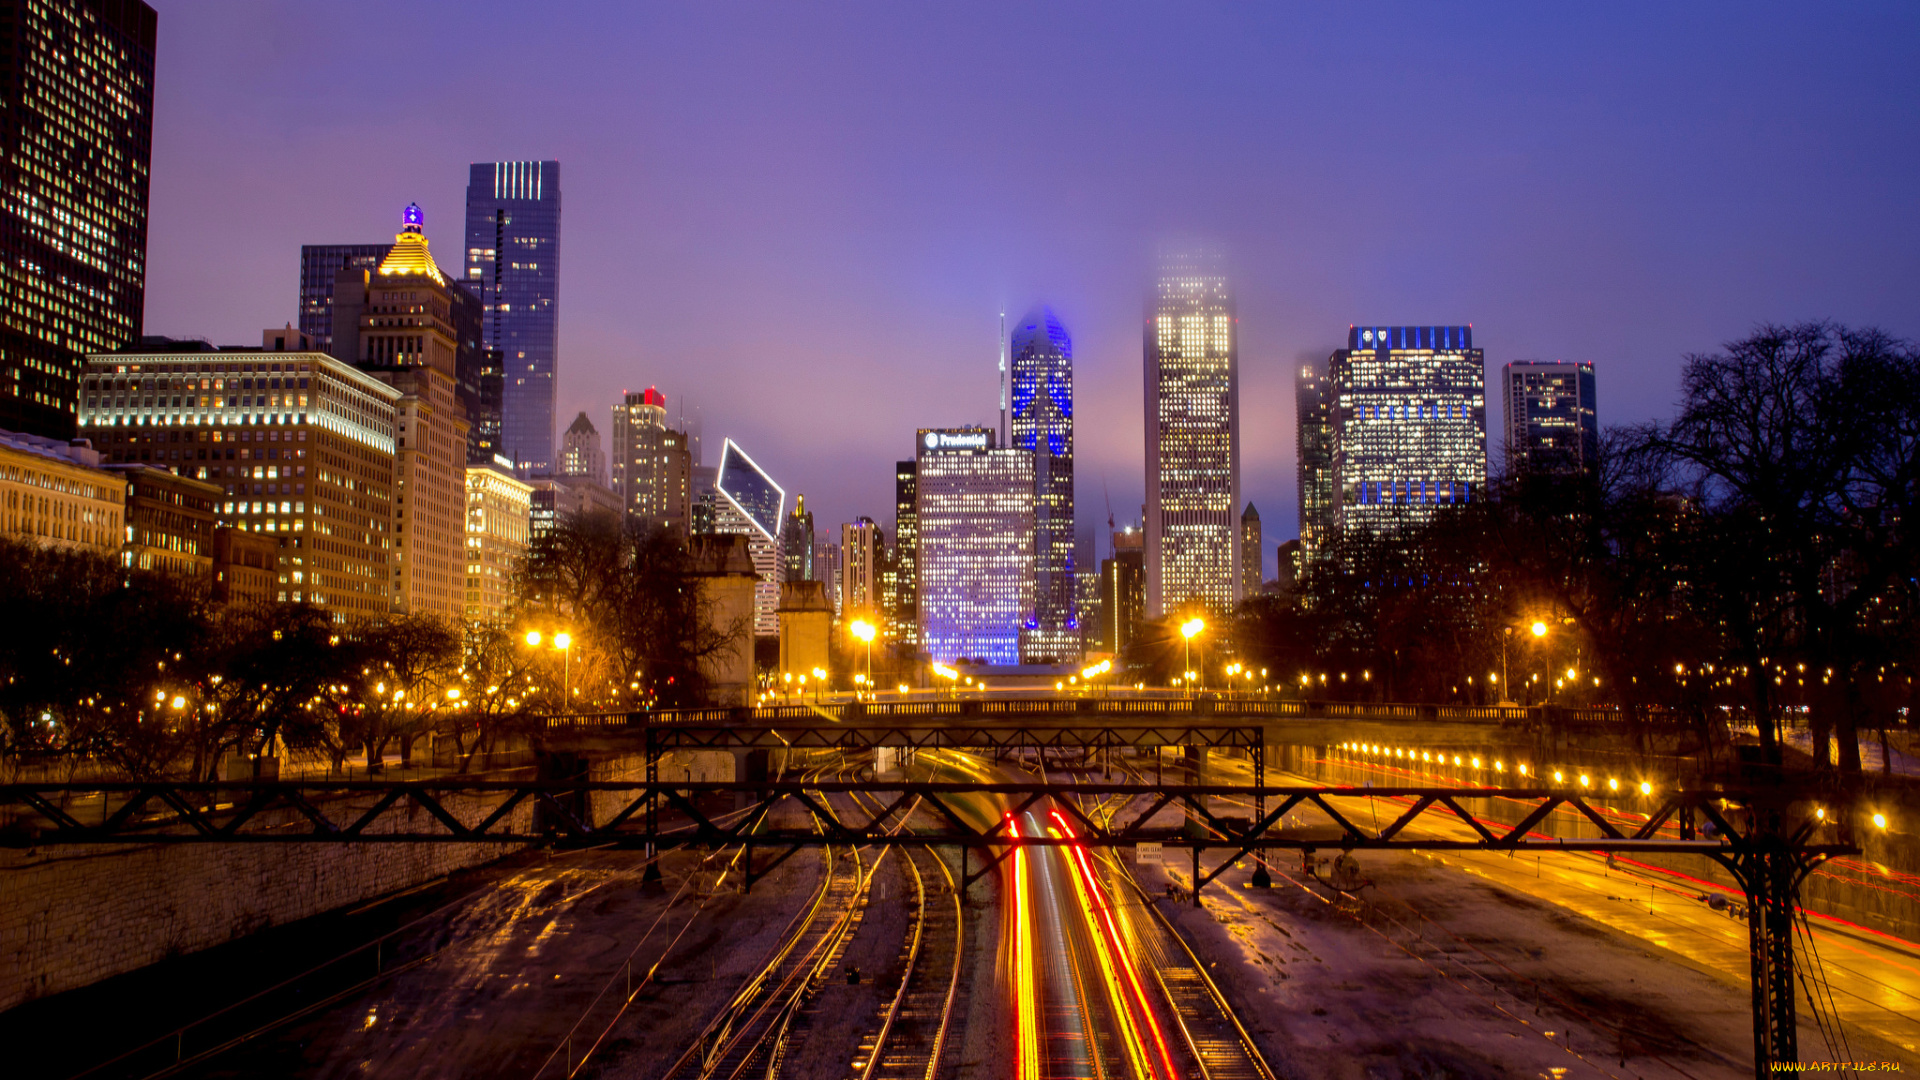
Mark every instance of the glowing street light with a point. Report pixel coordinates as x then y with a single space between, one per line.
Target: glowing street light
863 630
1189 630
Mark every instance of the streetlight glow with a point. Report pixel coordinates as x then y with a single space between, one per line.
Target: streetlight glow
1539 629
533 637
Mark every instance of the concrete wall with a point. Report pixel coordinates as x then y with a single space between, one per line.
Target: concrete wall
72 916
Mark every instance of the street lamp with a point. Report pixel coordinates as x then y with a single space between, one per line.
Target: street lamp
1188 630
863 630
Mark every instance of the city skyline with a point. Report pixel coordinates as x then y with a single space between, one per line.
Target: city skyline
1583 234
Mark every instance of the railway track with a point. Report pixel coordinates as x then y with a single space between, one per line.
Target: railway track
912 1036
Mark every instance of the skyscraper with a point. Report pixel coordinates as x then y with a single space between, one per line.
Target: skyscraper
580 453
1313 440
906 553
974 509
1550 422
1123 580
1041 410
1192 395
406 339
752 505
319 265
1409 422
76 139
652 464
861 546
513 254
796 543
1252 558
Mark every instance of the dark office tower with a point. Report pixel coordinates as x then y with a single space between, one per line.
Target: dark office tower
319 265
1551 426
1192 392
1252 565
513 257
1409 425
76 135
1041 408
796 543
1313 434
1122 590
476 369
906 553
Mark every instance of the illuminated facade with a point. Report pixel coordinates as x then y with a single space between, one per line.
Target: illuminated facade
1192 392
499 528
1551 425
861 548
55 495
406 339
76 77
905 613
1042 425
301 445
513 259
652 464
580 452
1409 421
974 511
752 505
1313 435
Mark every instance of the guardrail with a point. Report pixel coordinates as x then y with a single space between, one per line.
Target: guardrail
1025 710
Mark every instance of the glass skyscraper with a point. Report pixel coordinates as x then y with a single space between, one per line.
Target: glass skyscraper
1042 423
1551 426
76 140
1192 391
319 265
752 505
974 509
1313 432
906 552
513 254
1410 424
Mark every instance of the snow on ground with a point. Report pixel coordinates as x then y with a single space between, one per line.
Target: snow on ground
1439 974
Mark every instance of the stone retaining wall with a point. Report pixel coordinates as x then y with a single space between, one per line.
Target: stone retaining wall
70 916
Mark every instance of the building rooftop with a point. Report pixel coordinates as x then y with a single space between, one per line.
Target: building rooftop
410 257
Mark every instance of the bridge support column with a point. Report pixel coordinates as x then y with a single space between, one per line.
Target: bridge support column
1195 765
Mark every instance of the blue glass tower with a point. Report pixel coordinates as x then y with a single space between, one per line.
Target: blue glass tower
1042 422
513 260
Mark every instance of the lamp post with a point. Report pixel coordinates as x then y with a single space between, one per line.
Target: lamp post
1189 630
564 642
863 630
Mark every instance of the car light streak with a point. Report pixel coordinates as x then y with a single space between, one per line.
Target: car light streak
1026 1036
1117 965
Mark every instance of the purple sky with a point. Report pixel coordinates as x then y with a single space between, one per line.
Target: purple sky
808 217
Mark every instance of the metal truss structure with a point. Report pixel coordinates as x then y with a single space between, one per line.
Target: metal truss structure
1755 835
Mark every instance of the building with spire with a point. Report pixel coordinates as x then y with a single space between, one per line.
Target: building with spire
580 452
796 543
513 259
1041 408
403 335
652 464
1192 397
1252 558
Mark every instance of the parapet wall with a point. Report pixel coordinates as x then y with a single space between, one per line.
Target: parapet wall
71 916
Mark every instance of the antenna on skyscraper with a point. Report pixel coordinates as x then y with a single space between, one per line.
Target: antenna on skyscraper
1003 379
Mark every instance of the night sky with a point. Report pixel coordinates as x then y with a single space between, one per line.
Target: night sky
807 218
